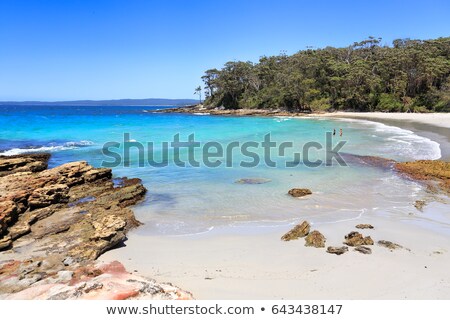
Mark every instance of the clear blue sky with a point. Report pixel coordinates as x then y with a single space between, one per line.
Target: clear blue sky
64 50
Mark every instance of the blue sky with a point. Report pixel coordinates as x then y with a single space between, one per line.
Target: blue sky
65 50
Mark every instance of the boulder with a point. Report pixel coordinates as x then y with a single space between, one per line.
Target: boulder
337 250
299 192
354 239
299 231
315 239
364 226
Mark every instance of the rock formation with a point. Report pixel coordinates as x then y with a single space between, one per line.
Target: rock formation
354 239
299 192
420 204
337 250
431 172
55 221
299 231
315 239
364 226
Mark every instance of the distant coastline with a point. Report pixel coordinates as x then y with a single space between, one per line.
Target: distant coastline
119 102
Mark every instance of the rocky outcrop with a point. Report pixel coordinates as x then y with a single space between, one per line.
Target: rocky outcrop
199 109
56 222
337 250
27 163
299 231
315 239
354 239
299 192
364 226
431 172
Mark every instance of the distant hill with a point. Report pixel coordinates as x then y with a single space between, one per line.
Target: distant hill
120 102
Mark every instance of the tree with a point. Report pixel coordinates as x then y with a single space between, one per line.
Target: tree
410 75
198 91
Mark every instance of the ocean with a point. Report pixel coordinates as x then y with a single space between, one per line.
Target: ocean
189 197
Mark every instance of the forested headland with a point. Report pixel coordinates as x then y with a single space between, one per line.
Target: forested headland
407 76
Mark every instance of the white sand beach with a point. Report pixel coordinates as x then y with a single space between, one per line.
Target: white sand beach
256 264
253 263
434 119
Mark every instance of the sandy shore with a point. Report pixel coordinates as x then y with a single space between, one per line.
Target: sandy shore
256 264
435 126
434 119
237 263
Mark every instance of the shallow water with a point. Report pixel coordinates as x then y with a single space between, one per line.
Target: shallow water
185 200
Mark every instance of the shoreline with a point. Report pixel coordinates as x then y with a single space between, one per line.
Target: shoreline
253 263
434 126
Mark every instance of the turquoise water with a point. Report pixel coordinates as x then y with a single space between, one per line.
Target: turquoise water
185 200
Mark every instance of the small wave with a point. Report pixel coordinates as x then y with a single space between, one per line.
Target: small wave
405 143
201 113
282 118
48 148
193 233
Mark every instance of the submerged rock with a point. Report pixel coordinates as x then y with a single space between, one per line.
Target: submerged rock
315 239
337 250
299 192
253 181
364 226
354 239
363 249
299 231
371 161
420 204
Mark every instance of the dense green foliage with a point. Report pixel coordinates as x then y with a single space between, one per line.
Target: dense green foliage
410 75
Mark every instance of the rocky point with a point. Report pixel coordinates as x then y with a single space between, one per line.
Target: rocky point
55 222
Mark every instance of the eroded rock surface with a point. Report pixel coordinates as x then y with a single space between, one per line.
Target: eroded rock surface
51 280
364 226
299 192
431 172
299 231
355 239
56 222
315 239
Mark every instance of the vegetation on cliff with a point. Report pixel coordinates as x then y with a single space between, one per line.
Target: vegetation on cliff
409 76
